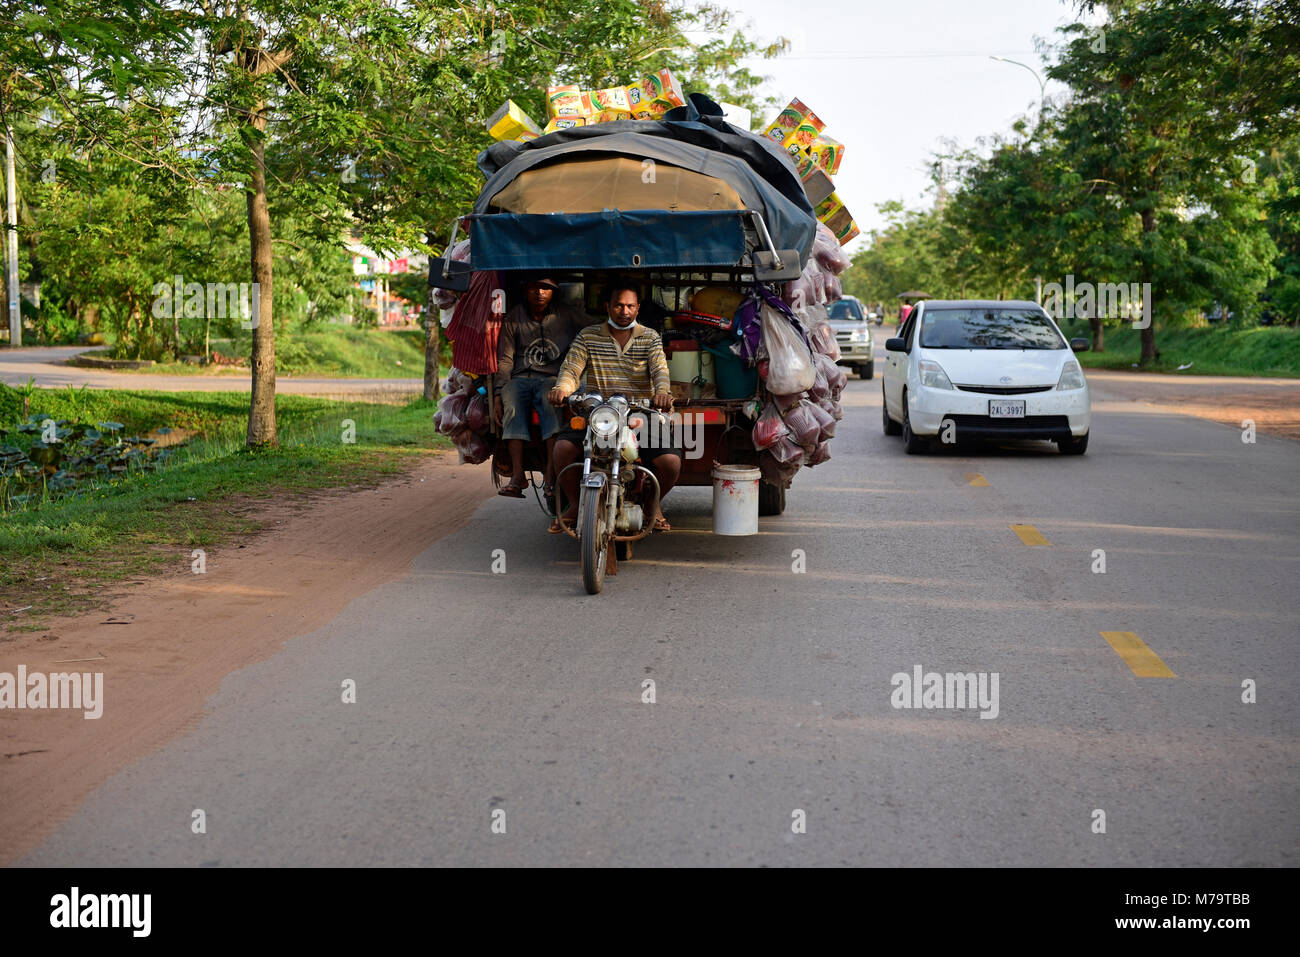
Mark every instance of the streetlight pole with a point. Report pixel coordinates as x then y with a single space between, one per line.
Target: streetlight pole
1042 87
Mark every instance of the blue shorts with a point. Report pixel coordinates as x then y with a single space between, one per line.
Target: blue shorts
519 397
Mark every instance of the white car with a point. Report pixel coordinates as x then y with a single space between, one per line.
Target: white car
983 369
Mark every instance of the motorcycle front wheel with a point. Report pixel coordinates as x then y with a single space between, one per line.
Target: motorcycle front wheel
595 544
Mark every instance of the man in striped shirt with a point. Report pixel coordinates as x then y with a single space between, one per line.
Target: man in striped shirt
620 356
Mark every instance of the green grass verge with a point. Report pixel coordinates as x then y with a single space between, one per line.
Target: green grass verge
1259 351
61 557
331 351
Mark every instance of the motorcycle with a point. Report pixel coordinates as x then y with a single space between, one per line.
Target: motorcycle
613 511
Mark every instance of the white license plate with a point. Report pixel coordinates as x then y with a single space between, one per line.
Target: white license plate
1006 408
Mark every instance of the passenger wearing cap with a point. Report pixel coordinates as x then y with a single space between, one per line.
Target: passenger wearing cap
535 336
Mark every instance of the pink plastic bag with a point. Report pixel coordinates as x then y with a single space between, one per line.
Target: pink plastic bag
825 422
833 407
836 377
474 448
803 425
828 252
452 407
768 428
785 449
822 336
476 413
775 472
820 388
819 455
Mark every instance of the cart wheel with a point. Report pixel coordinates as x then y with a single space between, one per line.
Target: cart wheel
771 499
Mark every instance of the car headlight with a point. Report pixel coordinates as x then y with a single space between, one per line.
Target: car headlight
604 422
859 337
1071 377
932 374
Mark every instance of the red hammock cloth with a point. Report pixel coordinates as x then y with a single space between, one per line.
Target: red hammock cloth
474 327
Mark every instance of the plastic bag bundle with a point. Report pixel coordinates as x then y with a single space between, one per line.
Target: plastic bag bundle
817 276
768 428
834 288
820 388
473 448
833 407
836 377
784 403
786 450
803 425
790 364
777 472
821 334
825 421
476 413
799 292
827 250
819 455
452 410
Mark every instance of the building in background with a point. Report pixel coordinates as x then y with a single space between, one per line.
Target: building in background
373 273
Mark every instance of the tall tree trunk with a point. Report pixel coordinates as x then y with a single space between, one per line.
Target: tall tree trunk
1149 333
432 336
261 410
1098 334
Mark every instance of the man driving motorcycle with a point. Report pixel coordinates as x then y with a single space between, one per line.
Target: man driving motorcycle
618 356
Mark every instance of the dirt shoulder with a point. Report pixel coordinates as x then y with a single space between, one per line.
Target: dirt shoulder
165 647
1272 404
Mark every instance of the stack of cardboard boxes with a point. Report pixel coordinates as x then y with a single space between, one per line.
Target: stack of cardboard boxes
817 158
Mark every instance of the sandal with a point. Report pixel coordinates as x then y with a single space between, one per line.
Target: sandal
548 491
511 491
556 528
661 525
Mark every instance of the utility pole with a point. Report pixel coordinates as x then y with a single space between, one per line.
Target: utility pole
11 244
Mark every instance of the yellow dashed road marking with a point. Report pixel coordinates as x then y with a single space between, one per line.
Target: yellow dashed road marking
979 481
1144 662
1030 535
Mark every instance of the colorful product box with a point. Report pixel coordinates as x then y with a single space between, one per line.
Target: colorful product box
564 123
849 233
566 100
805 134
786 121
827 208
654 94
828 152
509 122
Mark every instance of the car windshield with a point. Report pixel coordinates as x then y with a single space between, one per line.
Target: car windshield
845 309
988 328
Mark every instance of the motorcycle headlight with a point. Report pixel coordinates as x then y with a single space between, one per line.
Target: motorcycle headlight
603 422
591 400
932 374
1071 377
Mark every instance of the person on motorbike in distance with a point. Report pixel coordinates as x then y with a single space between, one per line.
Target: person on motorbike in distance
618 356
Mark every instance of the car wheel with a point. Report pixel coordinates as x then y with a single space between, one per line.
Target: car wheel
867 370
1073 446
912 443
891 427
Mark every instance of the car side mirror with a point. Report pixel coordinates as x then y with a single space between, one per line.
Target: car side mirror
895 345
1080 344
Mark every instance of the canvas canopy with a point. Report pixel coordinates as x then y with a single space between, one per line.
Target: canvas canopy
596 183
706 174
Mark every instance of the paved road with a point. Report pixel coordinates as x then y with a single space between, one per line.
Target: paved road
517 693
46 366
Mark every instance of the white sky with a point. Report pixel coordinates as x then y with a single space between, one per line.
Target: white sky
874 74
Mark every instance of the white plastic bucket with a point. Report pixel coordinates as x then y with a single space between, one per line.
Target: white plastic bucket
735 500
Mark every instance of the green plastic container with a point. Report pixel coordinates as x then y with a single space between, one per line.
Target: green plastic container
734 380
